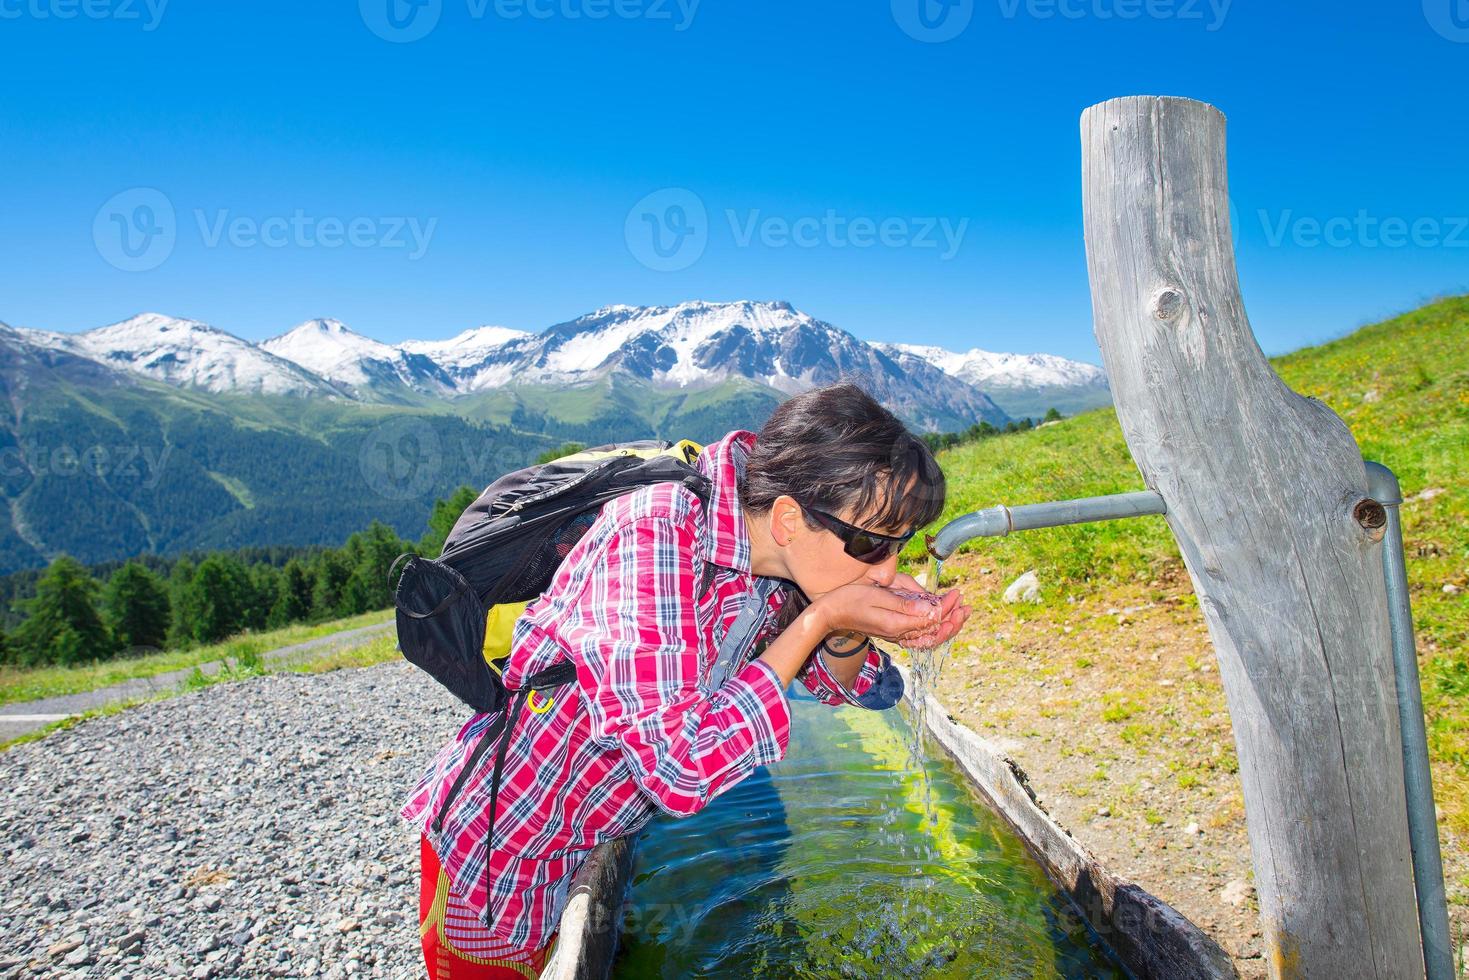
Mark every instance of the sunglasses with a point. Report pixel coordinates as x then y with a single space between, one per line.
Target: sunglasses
866 546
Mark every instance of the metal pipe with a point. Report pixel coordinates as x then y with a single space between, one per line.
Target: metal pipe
1433 911
998 521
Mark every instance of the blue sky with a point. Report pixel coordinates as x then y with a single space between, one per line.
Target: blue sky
491 171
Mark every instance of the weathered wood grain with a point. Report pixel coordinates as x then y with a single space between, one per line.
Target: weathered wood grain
1260 485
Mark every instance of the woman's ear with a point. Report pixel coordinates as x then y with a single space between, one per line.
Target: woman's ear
785 518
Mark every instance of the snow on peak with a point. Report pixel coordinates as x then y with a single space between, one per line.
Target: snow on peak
331 349
672 336
188 352
466 349
989 369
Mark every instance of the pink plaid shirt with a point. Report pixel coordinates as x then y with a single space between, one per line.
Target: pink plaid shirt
637 733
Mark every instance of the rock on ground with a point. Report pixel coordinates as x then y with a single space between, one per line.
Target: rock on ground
1026 588
248 829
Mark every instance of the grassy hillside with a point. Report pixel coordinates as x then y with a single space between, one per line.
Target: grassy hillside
1401 386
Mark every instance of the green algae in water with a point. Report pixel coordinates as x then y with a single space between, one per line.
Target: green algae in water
844 861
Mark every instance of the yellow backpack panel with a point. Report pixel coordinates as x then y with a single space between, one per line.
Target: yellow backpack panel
500 620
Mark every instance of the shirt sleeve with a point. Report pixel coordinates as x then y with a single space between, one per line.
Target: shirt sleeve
640 658
877 686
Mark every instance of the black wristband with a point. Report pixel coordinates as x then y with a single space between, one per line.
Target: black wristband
843 656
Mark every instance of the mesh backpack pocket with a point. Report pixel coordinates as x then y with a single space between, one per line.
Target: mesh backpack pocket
441 628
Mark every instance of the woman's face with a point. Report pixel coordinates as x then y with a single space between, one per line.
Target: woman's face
816 557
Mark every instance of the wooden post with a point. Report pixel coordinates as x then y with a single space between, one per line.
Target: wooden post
1265 492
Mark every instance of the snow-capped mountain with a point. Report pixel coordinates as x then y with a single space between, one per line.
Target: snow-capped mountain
187 353
688 347
1022 384
466 350
28 359
329 349
697 345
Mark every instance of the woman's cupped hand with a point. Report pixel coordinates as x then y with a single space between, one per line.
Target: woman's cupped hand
905 613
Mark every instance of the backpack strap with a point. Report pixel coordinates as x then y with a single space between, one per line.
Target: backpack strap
742 632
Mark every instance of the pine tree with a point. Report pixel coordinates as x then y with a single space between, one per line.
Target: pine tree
370 553
180 578
332 572
293 595
137 607
565 449
441 521
1052 414
214 601
264 582
62 625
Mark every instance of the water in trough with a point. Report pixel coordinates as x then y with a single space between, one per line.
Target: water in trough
860 854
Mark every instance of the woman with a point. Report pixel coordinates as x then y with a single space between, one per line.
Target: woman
823 498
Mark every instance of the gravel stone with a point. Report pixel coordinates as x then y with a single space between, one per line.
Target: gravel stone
245 830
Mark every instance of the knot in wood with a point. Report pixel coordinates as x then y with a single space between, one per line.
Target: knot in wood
1370 514
1167 304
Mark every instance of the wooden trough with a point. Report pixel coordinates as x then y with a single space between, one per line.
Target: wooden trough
586 941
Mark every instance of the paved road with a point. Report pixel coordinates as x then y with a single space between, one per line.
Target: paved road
26 716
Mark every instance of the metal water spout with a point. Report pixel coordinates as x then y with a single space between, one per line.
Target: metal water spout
998 521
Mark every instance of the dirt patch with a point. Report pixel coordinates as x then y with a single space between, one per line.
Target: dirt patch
1114 708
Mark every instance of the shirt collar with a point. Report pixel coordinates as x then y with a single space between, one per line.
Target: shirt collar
726 538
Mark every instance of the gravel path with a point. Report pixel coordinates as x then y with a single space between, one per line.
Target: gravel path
248 829
20 717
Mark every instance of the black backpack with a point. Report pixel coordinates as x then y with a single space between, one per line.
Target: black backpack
504 550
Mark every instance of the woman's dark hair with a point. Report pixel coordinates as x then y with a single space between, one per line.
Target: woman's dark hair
835 448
